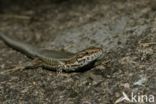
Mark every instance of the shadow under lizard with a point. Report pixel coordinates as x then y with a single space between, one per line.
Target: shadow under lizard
55 60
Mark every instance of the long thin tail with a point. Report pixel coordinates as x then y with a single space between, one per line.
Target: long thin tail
24 48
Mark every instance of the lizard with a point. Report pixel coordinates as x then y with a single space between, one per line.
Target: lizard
55 60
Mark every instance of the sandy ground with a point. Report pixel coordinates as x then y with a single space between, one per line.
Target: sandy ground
125 29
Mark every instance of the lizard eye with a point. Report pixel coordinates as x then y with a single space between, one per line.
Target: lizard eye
87 53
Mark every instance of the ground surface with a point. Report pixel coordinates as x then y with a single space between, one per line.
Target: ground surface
126 31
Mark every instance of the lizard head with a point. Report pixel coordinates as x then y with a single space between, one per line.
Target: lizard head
88 55
83 58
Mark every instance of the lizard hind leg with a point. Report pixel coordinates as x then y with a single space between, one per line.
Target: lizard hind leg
20 67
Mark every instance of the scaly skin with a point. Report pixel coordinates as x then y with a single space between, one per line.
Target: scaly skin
56 60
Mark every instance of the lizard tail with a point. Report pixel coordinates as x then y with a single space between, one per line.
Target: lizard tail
24 48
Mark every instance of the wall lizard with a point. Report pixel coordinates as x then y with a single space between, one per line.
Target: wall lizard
55 60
